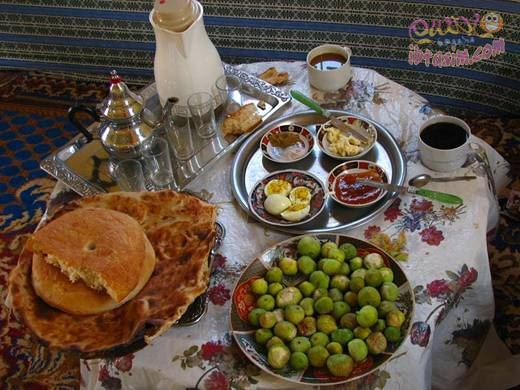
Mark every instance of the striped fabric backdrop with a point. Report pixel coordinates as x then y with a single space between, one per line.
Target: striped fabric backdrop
94 36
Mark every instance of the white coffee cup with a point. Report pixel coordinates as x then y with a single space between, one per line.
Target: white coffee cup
444 159
330 79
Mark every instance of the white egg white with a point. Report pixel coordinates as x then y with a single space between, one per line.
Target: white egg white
300 195
296 212
277 186
275 204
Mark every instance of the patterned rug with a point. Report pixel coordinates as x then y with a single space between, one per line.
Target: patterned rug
33 123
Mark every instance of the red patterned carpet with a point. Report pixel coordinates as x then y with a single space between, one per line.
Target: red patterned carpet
33 124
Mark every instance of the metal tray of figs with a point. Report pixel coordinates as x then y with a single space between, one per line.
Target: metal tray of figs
249 166
193 314
86 167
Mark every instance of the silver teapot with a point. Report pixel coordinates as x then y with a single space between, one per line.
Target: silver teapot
123 130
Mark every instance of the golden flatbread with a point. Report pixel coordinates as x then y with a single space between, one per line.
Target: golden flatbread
181 229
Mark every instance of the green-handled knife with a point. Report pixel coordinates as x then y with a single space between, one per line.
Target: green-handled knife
327 114
435 195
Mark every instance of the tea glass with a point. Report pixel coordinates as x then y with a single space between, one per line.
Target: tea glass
201 108
444 160
178 132
158 161
129 176
228 87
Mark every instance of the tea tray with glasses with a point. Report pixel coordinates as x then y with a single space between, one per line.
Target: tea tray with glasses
256 168
88 169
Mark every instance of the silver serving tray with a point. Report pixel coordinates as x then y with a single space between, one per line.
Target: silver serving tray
249 166
86 167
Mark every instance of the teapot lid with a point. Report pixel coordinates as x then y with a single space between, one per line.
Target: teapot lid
121 103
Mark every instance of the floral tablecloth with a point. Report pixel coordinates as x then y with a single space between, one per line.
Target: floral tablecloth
442 249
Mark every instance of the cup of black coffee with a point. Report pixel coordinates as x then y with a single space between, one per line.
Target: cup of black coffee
444 143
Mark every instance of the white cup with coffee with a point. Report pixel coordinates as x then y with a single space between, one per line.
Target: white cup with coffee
329 67
444 143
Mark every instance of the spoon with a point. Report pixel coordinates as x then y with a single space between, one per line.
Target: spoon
421 180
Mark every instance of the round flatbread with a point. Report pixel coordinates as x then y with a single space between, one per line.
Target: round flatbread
181 230
106 250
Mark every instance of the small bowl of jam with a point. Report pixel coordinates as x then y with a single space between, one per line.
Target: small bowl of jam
343 186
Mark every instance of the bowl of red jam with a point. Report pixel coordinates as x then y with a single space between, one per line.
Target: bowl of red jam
344 188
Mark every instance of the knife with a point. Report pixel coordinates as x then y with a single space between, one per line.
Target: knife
337 123
435 195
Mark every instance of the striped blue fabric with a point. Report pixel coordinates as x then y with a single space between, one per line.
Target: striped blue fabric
94 36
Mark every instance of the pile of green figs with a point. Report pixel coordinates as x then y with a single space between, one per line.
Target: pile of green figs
342 310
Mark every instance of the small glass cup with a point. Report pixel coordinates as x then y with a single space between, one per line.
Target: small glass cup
201 108
178 131
159 164
129 176
228 87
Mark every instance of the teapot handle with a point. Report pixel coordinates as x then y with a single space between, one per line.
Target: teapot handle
71 114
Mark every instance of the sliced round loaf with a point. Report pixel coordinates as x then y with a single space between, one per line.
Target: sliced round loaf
105 249
55 288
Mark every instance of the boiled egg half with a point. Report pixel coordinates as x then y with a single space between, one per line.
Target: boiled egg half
300 195
275 204
296 212
278 186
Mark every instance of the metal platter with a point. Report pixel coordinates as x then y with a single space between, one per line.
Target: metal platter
86 167
250 165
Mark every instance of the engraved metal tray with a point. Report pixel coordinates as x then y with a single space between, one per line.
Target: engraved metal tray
86 167
249 166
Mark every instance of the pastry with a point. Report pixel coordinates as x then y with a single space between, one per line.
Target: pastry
274 77
242 121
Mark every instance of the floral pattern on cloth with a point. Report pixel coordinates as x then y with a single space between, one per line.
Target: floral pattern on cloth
449 292
218 292
354 96
110 370
223 364
421 216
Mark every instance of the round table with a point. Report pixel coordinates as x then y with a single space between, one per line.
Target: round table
442 250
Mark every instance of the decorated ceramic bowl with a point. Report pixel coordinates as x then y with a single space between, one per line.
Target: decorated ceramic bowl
243 301
287 143
300 193
343 188
346 148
